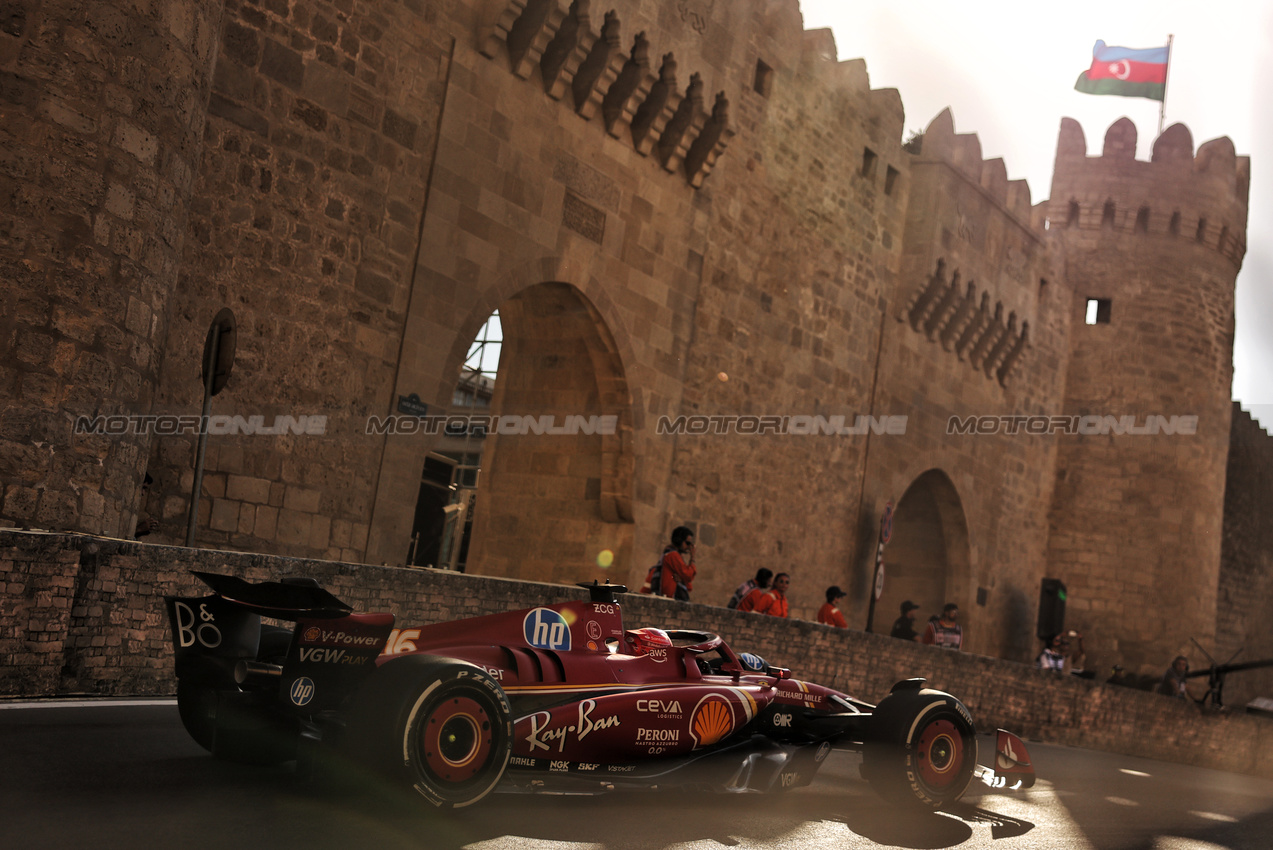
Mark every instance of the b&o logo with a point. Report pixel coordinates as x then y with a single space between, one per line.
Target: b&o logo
302 691
544 628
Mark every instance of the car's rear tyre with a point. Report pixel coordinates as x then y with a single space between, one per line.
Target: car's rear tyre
444 727
922 748
232 724
197 705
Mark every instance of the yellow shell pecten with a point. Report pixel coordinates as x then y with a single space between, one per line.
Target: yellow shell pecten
713 722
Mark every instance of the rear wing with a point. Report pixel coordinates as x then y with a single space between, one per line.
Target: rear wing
290 599
218 639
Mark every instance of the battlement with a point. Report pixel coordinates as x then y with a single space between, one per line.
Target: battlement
600 67
849 80
1246 427
962 151
630 67
1176 194
954 315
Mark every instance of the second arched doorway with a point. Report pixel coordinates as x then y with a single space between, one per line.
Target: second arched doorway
927 557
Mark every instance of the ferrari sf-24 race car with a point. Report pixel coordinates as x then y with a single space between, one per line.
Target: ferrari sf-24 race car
555 698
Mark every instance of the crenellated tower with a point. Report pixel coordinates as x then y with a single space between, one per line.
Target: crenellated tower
1152 251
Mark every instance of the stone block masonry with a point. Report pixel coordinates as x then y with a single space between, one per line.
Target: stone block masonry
85 615
101 139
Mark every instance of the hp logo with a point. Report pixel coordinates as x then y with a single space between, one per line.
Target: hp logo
302 691
546 629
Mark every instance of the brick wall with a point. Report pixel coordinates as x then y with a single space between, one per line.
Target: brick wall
83 614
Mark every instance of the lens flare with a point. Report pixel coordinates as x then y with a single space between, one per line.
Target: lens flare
605 558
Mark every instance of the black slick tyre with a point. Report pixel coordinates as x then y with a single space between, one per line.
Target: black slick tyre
922 749
444 727
197 705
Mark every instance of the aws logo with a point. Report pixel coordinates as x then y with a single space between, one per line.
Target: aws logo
544 628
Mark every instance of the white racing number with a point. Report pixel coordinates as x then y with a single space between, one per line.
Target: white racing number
401 640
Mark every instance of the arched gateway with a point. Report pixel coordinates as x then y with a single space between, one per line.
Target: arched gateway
555 480
927 557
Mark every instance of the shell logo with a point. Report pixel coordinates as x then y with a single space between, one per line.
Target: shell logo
312 634
712 720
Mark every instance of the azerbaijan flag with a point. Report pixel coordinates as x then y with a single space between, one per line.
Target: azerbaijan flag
1126 72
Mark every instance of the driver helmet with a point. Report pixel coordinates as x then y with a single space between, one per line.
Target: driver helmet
752 663
642 641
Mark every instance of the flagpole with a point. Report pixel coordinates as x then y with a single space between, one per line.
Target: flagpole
1162 106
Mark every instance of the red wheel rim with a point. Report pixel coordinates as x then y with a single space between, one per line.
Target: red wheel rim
456 739
940 754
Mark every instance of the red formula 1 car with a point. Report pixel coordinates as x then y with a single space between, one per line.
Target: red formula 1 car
554 698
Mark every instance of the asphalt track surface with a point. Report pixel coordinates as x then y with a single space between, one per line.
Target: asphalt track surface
125 775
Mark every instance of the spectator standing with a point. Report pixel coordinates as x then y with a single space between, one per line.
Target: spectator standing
1078 656
1053 656
763 575
904 626
772 601
945 631
829 614
674 575
1173 681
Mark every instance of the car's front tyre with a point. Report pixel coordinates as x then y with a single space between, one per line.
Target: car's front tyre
922 748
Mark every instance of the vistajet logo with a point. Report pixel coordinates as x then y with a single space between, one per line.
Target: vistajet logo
1084 425
165 425
782 425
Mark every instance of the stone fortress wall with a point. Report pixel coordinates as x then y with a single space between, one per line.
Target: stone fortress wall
680 210
1244 630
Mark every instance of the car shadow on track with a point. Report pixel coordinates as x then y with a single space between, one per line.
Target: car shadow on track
648 820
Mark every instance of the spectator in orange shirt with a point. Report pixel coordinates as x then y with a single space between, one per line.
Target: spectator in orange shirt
828 613
772 601
679 568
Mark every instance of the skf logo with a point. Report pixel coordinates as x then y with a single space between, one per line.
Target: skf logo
302 691
544 628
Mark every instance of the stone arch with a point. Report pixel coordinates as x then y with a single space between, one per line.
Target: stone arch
927 559
530 274
557 472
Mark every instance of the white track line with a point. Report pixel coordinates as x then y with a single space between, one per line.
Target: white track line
82 703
